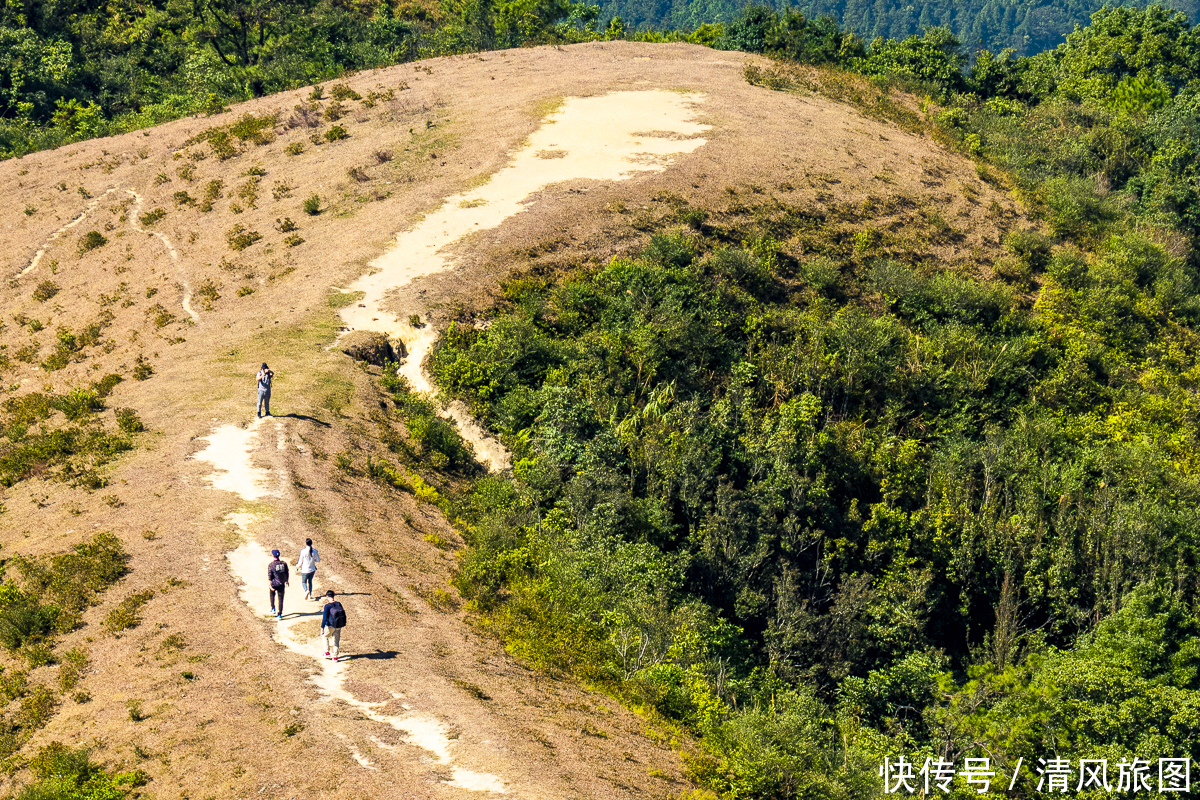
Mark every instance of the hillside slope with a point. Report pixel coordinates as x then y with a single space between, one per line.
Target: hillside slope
207 694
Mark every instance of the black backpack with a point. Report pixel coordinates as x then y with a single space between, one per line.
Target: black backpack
337 614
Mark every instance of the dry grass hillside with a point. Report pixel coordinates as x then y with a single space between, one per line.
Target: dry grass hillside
180 257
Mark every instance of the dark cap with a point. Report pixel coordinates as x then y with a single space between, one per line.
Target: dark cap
275 553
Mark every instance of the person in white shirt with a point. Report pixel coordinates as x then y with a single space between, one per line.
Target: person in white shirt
306 565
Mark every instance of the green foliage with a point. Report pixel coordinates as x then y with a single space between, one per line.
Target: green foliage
90 241
63 773
239 238
312 205
431 436
142 369
25 622
127 613
128 421
934 56
336 133
70 453
753 490
45 290
153 216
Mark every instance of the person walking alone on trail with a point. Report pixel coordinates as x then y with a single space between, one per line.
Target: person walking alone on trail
306 565
277 576
264 376
333 619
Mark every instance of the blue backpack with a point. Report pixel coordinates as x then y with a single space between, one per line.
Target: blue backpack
337 614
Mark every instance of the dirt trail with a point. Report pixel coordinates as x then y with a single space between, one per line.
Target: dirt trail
607 138
185 301
41 251
229 452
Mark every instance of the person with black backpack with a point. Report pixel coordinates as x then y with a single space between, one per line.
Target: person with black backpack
277 576
333 619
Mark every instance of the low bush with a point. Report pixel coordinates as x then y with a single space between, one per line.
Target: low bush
90 241
45 290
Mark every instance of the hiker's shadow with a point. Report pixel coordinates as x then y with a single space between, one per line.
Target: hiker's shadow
375 655
307 418
298 614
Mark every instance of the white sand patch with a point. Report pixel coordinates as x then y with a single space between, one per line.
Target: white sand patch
359 757
475 781
229 452
611 137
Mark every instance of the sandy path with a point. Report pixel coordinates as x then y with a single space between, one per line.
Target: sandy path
607 138
229 452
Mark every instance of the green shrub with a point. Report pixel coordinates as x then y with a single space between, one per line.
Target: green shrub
336 133
1077 212
26 622
127 613
79 404
75 663
293 241
294 149
152 217
333 112
240 238
209 292
821 273
90 241
342 92
312 205
161 316
212 192
45 290
259 130
142 369
128 421
285 225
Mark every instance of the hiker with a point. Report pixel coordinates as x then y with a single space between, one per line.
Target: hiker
306 565
264 376
277 576
333 619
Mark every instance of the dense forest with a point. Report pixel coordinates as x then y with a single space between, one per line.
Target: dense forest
1025 26
75 70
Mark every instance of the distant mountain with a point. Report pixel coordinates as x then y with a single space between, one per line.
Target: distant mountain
1028 26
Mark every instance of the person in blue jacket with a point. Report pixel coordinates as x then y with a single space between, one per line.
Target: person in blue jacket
333 619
